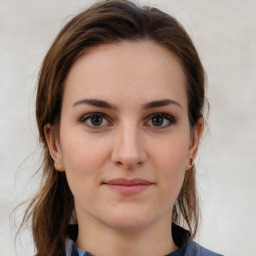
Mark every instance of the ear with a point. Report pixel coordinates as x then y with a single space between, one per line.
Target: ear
194 142
54 147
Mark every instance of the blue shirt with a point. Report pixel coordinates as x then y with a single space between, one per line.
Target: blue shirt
181 237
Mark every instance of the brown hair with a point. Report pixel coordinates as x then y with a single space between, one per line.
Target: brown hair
104 23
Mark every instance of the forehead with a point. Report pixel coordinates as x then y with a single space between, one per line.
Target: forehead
143 70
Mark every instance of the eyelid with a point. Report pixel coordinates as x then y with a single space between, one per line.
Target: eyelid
86 117
171 119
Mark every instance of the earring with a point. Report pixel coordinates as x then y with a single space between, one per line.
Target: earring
190 161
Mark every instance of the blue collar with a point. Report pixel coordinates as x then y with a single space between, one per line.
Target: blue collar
181 237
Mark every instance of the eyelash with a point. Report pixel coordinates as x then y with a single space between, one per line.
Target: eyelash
84 119
87 117
171 120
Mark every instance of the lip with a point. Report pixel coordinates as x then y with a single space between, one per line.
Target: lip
128 186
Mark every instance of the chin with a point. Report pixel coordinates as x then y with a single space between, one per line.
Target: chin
128 225
129 219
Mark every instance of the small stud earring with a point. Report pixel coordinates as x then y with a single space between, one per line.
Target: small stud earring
190 161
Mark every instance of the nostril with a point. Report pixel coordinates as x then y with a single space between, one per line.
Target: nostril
139 163
119 163
128 155
129 165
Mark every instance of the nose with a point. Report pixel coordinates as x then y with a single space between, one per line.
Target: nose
128 151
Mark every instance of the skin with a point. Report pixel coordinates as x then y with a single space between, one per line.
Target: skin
127 142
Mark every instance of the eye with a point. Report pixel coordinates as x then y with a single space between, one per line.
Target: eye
161 120
95 120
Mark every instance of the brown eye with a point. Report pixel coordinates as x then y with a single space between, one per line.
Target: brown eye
161 120
96 120
157 120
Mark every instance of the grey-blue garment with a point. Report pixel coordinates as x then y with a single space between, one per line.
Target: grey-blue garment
181 237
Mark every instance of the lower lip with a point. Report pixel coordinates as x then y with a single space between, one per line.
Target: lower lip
129 189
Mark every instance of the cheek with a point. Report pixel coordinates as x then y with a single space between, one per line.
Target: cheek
170 163
171 152
83 162
83 151
83 157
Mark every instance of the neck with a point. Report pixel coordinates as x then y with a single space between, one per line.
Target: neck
155 239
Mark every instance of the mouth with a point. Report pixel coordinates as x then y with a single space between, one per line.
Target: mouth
128 187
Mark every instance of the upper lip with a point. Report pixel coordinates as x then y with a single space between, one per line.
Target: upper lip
128 182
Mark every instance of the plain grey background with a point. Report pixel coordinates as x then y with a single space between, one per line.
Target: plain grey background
224 33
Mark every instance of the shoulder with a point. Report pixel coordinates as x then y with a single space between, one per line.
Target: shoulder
188 247
194 249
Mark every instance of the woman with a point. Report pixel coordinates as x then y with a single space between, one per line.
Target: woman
120 114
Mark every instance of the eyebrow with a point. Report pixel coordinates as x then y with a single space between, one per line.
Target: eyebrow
94 102
161 103
104 104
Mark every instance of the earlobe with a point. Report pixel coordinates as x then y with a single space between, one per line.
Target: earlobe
194 144
54 147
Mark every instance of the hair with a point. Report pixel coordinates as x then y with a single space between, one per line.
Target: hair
107 22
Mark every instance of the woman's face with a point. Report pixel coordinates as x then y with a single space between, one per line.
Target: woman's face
125 140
